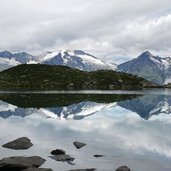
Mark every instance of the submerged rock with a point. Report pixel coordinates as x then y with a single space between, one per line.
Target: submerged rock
19 163
57 152
98 155
59 155
78 145
123 168
22 143
92 169
37 169
62 157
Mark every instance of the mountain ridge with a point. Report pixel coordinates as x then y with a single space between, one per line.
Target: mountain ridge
73 58
155 69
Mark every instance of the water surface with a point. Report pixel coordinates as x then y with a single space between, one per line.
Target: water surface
128 127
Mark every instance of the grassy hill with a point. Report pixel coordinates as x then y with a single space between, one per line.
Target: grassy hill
48 77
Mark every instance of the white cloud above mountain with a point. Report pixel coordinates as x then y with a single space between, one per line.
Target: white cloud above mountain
99 27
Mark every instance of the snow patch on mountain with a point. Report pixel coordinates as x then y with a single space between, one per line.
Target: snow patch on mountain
9 61
76 59
6 63
47 56
32 62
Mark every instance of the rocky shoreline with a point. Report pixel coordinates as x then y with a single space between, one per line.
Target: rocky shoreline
32 163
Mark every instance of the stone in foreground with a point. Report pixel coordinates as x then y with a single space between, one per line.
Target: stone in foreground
78 145
123 168
92 169
57 152
37 169
98 155
19 163
62 157
22 143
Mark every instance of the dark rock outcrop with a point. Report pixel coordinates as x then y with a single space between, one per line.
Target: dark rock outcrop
78 145
123 168
98 155
62 157
37 169
92 169
57 152
19 163
22 143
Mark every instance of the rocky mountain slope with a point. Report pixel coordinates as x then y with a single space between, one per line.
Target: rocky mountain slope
153 68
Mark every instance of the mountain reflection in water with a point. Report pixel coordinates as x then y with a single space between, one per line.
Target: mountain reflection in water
63 106
79 106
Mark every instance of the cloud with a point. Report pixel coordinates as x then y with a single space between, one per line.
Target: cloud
121 28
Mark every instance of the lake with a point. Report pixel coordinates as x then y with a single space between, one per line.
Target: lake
128 127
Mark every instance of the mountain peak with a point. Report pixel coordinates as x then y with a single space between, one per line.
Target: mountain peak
145 55
79 52
21 53
64 50
5 51
73 52
147 52
6 54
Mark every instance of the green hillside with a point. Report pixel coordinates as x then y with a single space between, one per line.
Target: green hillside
48 77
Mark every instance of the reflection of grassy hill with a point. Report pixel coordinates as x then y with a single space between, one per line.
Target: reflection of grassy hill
46 77
58 100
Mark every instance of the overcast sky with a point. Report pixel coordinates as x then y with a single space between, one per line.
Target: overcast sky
108 29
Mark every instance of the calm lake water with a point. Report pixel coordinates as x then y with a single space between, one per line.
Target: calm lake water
130 128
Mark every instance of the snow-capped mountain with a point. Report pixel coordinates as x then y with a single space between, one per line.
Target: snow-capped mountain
153 68
75 59
8 59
